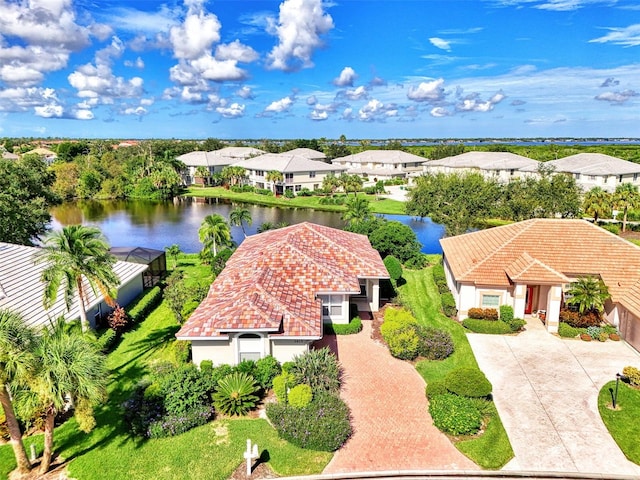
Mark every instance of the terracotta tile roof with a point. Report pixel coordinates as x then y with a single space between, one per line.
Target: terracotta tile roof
527 269
271 282
567 248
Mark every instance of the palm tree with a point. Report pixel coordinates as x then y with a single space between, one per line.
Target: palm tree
625 197
331 183
358 210
596 202
174 251
214 231
71 372
274 176
16 364
74 254
238 216
203 173
589 294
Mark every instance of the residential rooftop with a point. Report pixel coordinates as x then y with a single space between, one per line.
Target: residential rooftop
592 164
486 161
285 163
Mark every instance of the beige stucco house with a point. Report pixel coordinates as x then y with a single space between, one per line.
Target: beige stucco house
530 265
381 164
277 290
214 161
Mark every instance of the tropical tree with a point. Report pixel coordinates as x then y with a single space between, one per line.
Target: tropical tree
173 251
274 176
239 215
596 202
73 255
71 373
214 232
351 183
589 294
203 173
358 210
233 175
330 183
626 197
16 365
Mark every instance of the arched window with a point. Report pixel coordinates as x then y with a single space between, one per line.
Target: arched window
250 347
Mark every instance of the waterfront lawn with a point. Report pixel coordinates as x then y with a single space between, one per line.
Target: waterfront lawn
212 451
378 205
622 423
492 449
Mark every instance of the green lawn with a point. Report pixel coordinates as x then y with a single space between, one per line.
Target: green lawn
381 205
623 422
491 450
211 451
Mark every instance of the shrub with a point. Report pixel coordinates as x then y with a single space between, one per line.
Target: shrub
305 192
585 337
633 374
468 382
517 324
448 305
594 332
246 366
266 369
394 267
219 372
263 191
614 336
318 369
142 305
354 326
322 425
171 424
434 344
236 394
288 193
609 329
416 261
603 337
490 314
486 326
569 317
434 388
612 227
118 319
281 385
206 367
567 331
300 396
506 313
403 344
476 313
455 415
107 340
183 389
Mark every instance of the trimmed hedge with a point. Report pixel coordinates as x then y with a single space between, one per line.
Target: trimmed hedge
354 326
448 305
483 313
143 304
394 267
455 415
495 327
468 382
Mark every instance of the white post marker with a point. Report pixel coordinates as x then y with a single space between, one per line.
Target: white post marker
250 454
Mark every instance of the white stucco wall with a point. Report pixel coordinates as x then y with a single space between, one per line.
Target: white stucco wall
285 350
218 351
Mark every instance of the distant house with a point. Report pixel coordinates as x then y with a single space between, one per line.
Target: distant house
156 261
10 156
381 164
47 155
529 265
278 288
596 170
298 172
500 166
307 153
22 291
213 161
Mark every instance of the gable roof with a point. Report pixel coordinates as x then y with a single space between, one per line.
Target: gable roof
381 156
23 291
486 161
556 250
593 164
272 280
307 153
285 163
204 159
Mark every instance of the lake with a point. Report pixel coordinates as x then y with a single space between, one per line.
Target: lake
132 223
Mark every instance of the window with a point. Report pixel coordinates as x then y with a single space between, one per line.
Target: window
635 177
288 177
298 188
490 301
331 305
363 287
249 347
259 173
512 172
577 175
312 174
316 186
592 178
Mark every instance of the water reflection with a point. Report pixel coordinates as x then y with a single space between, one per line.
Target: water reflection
160 224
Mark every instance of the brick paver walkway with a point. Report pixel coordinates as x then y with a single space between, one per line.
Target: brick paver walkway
392 426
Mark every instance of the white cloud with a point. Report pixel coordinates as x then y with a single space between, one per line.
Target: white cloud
312 100
431 92
318 115
357 93
439 112
83 114
51 110
472 103
617 97
138 63
440 43
346 78
626 36
245 92
235 110
236 51
138 111
557 5
347 113
279 106
137 21
299 29
215 70
374 109
196 35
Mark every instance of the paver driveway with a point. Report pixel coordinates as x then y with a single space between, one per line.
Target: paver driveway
392 426
546 390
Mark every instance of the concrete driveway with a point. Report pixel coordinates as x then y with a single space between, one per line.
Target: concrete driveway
546 390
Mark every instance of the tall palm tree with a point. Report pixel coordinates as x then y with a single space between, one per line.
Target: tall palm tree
589 294
16 365
596 202
274 176
238 216
626 197
74 254
71 373
358 210
214 231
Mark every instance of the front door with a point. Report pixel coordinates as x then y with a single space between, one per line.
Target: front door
528 302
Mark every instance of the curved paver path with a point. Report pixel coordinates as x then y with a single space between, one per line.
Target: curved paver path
392 426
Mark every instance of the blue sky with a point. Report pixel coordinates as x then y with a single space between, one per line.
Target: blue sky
309 69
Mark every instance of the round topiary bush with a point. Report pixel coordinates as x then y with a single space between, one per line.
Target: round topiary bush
455 415
300 396
435 388
468 382
434 344
394 267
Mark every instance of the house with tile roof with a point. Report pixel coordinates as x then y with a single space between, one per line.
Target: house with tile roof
595 170
381 164
214 161
500 166
530 265
309 153
22 291
298 172
278 289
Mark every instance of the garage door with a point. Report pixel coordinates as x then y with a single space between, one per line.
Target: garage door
630 330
